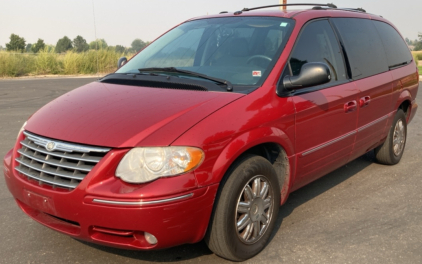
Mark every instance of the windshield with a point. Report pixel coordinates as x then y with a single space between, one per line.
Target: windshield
241 50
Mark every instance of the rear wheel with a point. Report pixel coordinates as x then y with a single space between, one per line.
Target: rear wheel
391 151
246 210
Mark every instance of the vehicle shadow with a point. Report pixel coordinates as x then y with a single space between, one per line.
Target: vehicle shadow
297 198
323 184
174 254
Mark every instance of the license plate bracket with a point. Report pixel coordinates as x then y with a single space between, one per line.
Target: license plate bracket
39 202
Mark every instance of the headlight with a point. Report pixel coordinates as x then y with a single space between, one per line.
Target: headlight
20 131
141 165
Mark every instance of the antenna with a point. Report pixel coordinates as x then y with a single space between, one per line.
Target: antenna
95 34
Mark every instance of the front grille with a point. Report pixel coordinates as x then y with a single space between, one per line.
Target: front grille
56 163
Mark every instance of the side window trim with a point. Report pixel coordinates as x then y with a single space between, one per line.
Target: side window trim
342 49
281 92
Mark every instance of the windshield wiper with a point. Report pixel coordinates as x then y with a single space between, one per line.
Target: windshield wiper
397 65
194 74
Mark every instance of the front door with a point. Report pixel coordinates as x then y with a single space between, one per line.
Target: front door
326 115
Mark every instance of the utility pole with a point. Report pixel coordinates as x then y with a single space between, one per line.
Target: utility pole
283 2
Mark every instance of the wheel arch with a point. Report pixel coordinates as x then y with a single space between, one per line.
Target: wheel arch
270 143
404 102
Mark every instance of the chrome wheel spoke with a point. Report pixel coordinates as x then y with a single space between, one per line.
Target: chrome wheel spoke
244 221
267 203
263 219
264 190
248 232
256 187
256 229
243 207
248 193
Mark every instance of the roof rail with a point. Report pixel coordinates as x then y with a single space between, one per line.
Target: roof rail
354 9
344 9
260 7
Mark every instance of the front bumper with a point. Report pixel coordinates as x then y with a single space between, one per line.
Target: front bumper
115 220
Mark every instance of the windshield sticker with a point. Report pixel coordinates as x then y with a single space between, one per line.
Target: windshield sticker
283 24
256 73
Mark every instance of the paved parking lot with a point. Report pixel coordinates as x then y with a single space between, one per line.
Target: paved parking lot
361 213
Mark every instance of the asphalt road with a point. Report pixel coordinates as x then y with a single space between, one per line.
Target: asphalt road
361 213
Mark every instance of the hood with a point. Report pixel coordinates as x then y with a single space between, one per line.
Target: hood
119 116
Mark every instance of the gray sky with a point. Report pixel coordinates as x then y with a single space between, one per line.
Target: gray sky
120 22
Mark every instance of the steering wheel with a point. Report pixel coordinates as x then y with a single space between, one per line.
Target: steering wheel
260 57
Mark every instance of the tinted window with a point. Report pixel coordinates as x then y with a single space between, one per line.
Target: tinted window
317 43
363 46
395 48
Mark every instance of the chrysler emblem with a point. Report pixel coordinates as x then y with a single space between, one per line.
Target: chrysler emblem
50 146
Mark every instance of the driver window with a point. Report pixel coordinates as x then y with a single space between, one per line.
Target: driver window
317 43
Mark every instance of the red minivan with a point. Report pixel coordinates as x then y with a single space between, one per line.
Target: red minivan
205 132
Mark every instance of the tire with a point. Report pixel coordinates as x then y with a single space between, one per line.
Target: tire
391 151
231 231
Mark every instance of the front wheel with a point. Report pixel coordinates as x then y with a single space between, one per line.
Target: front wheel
391 151
246 210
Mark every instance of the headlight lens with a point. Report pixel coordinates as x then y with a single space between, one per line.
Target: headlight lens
141 165
20 131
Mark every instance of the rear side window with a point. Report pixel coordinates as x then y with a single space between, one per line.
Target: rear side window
397 52
363 45
318 43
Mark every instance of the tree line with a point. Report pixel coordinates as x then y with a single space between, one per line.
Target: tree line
417 42
78 44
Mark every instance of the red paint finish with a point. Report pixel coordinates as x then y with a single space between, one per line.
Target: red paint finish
320 119
319 131
124 116
372 117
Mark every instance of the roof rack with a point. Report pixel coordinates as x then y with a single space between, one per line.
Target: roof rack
260 7
354 9
344 9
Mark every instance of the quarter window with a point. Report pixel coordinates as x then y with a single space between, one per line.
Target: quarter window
396 50
318 43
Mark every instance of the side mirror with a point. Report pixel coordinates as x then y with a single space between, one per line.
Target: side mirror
311 74
122 61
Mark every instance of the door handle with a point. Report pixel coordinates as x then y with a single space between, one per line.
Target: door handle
350 106
364 101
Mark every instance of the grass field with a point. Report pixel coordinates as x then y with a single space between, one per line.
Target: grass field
69 63
417 55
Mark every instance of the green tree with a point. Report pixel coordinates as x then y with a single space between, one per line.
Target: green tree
137 45
120 49
64 44
28 47
98 44
40 45
418 44
80 45
16 43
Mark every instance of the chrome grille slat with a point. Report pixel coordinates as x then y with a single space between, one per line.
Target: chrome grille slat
56 163
52 172
64 146
28 174
66 155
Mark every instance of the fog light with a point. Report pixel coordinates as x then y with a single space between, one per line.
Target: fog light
150 238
